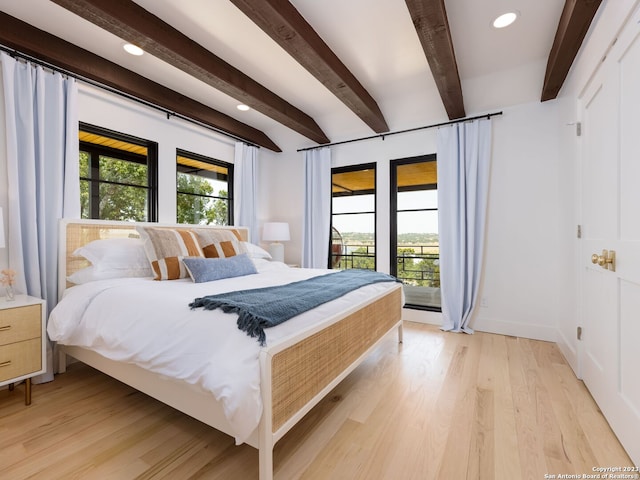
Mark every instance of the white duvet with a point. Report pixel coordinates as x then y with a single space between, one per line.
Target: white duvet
149 323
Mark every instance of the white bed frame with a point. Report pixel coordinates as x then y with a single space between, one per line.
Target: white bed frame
315 362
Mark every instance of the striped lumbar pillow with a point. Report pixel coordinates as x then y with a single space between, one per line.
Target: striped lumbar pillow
220 243
166 247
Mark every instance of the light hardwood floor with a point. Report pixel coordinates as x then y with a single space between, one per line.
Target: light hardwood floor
439 406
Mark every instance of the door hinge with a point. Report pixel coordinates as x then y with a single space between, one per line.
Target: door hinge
579 231
579 333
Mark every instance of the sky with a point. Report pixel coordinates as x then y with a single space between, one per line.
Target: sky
408 222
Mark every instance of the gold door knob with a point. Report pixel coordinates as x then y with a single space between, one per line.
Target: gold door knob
607 260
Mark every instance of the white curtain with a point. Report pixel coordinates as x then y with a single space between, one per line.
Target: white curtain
464 154
42 173
245 192
317 208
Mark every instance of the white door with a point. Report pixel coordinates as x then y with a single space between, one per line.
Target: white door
610 211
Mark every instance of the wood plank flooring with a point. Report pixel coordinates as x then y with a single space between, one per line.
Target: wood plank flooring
439 406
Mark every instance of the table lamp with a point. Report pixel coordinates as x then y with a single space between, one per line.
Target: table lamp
276 232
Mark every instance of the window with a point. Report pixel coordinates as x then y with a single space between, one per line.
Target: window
415 250
117 176
204 190
353 217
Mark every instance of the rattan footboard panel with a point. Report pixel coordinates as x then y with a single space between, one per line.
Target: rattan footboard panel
301 371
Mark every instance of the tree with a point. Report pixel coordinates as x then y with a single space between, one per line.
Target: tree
196 203
192 198
219 213
84 185
122 192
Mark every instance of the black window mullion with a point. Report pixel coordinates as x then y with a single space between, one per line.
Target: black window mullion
356 213
393 227
417 210
152 182
94 185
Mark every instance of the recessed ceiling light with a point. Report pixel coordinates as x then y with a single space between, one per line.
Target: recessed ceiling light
505 19
132 49
242 107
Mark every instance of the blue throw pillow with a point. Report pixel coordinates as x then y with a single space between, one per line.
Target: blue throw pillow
209 269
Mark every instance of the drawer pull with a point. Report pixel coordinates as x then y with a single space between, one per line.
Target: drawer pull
5 328
5 364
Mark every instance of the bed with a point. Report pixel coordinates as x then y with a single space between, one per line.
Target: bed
302 361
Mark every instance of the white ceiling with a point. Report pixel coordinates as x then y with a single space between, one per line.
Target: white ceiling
375 39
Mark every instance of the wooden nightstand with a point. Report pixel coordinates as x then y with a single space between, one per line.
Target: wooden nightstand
22 341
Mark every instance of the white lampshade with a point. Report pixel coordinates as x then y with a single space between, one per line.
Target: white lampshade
276 232
2 244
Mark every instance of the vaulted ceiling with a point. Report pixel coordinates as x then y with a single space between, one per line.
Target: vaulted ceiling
312 72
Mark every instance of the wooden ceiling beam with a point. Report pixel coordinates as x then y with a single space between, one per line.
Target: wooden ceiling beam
29 40
134 24
283 23
430 20
575 20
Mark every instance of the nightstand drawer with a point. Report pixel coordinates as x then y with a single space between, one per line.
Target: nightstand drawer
20 358
20 323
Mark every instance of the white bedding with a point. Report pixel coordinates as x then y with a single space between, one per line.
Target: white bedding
149 323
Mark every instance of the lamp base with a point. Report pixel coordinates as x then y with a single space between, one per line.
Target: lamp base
276 250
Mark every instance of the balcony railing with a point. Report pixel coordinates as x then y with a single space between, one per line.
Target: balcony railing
355 256
418 265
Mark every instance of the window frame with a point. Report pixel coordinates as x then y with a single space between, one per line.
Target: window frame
212 161
95 151
354 168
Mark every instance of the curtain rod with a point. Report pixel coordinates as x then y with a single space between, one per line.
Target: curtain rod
388 134
15 53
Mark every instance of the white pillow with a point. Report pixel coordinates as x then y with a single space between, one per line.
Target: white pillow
115 253
254 251
91 274
112 258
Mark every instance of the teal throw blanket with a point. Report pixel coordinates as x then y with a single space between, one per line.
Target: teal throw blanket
266 307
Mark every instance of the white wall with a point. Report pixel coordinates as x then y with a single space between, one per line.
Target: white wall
526 256
281 196
523 254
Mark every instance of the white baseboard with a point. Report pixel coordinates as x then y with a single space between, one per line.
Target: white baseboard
422 316
534 332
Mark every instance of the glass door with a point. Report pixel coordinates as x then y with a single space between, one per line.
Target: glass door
415 248
353 217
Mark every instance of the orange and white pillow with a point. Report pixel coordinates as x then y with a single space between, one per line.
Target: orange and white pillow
220 243
166 247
